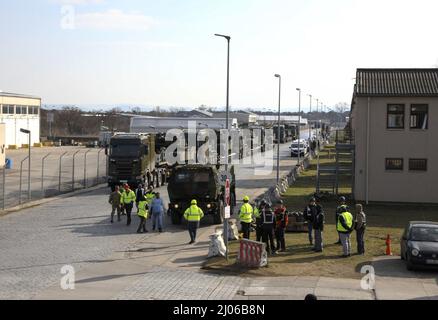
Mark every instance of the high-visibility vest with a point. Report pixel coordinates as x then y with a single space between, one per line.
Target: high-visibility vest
348 218
142 211
128 197
257 213
149 198
193 214
246 213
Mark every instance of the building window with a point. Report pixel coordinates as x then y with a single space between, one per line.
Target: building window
419 116
8 109
33 110
418 164
17 109
396 116
23 109
394 164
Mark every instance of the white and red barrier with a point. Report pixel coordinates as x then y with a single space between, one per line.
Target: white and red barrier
252 254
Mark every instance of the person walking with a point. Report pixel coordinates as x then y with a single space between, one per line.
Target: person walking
268 225
115 199
281 222
360 226
143 213
193 215
258 219
341 208
310 212
128 199
318 227
344 228
245 216
139 193
157 212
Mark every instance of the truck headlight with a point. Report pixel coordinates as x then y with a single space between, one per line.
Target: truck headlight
176 206
209 206
415 252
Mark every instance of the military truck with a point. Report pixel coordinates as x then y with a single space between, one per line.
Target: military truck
206 184
133 159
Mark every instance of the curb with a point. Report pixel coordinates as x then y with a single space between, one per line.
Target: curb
35 203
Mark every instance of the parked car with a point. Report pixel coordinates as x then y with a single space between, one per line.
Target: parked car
419 244
297 147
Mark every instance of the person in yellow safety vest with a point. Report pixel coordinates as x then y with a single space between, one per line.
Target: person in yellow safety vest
344 228
143 213
245 216
128 199
150 196
193 215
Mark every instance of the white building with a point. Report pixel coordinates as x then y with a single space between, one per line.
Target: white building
18 111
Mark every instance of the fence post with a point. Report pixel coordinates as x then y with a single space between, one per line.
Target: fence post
4 186
85 169
21 176
60 171
98 166
42 174
73 171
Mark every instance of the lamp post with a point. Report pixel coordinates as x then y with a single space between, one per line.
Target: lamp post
28 171
228 38
278 127
299 125
309 95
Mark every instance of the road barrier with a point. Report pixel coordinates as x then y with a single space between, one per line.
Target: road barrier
252 254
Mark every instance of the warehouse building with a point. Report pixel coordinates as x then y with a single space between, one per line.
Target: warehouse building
394 122
19 111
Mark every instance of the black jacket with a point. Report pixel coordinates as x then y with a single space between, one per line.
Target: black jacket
318 223
268 219
310 212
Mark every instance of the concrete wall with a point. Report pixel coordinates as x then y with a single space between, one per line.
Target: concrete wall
14 122
383 185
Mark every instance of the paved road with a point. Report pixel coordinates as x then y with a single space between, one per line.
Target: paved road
35 243
51 171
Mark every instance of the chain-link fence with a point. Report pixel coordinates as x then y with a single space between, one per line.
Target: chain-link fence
53 171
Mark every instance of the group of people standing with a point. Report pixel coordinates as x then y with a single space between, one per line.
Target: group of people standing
271 224
345 224
148 203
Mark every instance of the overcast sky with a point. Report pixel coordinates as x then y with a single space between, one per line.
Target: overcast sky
163 52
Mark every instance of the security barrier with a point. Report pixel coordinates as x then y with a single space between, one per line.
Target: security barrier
252 254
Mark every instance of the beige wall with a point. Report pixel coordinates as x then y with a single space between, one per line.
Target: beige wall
20 101
405 186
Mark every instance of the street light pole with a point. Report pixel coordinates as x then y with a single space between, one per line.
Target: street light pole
278 127
228 38
299 125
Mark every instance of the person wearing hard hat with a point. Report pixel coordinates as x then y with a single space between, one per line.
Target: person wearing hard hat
258 217
193 215
245 216
143 213
344 227
128 199
341 208
282 220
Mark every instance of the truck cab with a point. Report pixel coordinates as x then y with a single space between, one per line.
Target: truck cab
132 159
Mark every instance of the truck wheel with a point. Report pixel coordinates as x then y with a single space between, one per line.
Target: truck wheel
176 217
219 216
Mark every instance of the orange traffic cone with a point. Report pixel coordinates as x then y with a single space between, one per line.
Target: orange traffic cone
388 246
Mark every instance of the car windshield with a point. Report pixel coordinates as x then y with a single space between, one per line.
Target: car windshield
425 234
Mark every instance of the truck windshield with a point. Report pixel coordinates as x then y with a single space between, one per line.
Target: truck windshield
198 177
125 150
